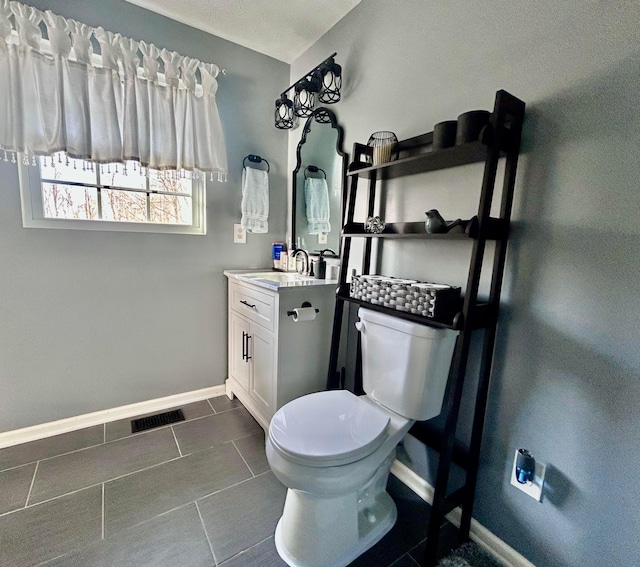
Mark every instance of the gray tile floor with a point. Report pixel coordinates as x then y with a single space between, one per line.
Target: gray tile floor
197 493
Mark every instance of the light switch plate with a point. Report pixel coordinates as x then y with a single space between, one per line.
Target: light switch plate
534 487
322 238
239 234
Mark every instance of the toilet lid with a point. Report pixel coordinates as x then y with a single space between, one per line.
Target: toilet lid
328 428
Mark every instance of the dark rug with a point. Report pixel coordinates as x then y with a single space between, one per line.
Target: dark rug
468 555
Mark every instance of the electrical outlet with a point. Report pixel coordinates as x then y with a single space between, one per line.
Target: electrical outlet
534 487
322 238
239 234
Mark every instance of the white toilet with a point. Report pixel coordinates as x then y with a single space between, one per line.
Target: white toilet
333 450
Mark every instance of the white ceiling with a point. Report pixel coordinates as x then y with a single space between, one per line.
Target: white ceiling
283 29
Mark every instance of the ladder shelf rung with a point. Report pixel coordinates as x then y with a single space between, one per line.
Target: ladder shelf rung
496 229
472 152
434 439
455 499
483 317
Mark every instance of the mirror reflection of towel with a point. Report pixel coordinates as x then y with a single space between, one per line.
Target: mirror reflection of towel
255 200
316 196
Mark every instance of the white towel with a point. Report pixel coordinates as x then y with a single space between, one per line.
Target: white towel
255 200
316 196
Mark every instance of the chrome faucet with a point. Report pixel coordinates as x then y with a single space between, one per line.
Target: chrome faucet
305 263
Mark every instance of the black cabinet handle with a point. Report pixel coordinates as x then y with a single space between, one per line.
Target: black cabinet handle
244 352
247 304
248 358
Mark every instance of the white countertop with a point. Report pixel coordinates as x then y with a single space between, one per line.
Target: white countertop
276 281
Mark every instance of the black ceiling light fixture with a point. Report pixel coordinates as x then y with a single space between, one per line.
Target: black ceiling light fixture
285 118
322 84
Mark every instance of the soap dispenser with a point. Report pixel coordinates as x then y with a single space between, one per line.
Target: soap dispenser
321 264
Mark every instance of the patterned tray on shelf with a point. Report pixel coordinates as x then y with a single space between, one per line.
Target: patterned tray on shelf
436 301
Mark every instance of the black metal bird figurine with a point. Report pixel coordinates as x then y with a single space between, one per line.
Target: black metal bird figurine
435 224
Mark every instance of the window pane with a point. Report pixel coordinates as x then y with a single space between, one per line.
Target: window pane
171 209
162 183
51 169
124 206
114 175
69 201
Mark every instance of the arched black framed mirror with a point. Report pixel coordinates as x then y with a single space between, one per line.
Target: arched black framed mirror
321 166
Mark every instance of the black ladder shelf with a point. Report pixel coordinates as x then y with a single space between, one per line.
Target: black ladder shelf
500 139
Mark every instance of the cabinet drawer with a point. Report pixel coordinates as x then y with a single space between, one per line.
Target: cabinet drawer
253 304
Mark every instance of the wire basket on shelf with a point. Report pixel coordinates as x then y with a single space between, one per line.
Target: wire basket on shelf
440 302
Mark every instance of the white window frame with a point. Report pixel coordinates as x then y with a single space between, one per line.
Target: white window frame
33 215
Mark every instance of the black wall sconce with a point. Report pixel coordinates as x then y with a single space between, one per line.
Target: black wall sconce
322 116
331 74
323 83
304 100
285 117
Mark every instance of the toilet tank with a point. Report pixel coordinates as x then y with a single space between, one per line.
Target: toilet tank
405 365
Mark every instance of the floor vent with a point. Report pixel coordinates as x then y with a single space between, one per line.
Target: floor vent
157 420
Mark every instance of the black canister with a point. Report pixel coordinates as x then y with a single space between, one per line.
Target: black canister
470 125
444 134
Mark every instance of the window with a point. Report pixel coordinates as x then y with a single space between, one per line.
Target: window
73 193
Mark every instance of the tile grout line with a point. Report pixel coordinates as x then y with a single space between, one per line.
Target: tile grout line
176 440
135 472
129 474
33 480
211 406
90 486
231 486
243 459
51 457
104 439
103 510
198 418
19 466
206 534
93 446
149 519
240 438
227 561
105 442
416 546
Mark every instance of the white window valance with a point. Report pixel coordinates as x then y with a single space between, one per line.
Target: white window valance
99 96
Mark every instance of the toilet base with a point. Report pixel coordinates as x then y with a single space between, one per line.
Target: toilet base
316 531
373 537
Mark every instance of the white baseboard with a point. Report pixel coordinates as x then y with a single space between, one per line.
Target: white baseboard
491 543
42 430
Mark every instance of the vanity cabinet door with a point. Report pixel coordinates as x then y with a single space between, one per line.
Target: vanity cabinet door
262 347
239 347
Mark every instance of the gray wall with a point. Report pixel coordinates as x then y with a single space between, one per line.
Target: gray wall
566 383
94 320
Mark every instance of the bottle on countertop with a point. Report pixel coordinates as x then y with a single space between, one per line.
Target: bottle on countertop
321 264
291 261
284 261
276 249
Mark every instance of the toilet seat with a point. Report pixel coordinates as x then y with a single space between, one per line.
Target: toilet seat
328 429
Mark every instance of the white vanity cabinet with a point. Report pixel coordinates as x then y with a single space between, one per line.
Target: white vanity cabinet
272 359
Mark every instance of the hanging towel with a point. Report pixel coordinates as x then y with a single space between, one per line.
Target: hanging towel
316 196
255 200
